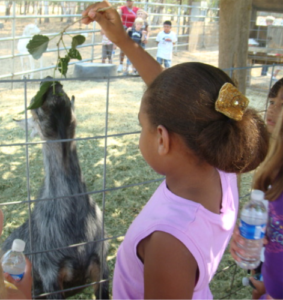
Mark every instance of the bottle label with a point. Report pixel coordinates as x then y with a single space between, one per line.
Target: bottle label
18 277
252 232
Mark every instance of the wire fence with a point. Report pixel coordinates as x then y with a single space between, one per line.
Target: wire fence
123 181
195 26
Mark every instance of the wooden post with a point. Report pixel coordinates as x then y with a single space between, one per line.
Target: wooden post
234 24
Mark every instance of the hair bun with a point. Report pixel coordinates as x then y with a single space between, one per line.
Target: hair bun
234 146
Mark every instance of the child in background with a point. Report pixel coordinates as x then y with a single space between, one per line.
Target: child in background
11 289
142 14
269 179
107 48
138 35
196 135
165 40
128 13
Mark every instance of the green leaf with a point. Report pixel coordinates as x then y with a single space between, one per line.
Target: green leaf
37 45
38 98
77 40
75 54
63 65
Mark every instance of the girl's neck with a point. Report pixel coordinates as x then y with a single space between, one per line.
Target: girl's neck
198 183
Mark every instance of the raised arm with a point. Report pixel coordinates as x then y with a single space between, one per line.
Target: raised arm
110 21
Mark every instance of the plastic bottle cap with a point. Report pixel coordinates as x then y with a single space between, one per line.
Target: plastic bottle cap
18 245
257 195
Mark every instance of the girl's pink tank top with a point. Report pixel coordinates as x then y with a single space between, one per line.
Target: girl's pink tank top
205 234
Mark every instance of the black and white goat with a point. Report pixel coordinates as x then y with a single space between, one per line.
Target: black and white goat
66 221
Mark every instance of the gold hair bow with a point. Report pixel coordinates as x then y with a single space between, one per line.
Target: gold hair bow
231 102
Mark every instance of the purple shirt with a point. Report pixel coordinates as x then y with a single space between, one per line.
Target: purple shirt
204 233
272 268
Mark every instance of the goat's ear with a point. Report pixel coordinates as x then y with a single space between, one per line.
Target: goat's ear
73 103
30 123
22 123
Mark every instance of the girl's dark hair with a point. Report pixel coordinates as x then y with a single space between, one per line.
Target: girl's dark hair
182 99
275 88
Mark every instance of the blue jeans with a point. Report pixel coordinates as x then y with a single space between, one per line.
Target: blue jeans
167 62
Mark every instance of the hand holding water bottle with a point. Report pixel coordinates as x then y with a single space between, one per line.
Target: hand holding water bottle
23 287
9 287
248 238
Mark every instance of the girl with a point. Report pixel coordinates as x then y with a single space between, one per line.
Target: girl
197 133
275 104
270 173
15 290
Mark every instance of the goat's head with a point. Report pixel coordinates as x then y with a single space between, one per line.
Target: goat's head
55 118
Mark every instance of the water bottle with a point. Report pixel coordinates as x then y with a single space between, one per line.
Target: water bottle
13 261
252 227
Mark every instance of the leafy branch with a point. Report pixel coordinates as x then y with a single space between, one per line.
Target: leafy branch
38 45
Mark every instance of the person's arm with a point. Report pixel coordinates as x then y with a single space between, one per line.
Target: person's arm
110 21
145 13
147 32
158 39
259 288
169 267
143 39
174 39
11 293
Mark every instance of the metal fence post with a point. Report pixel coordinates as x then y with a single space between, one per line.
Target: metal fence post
178 27
13 41
93 41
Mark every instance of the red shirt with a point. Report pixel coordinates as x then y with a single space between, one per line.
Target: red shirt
128 15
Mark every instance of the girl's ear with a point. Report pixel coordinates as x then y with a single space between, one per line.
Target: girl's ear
163 140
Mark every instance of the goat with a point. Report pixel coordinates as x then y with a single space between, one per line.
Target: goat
61 222
29 31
